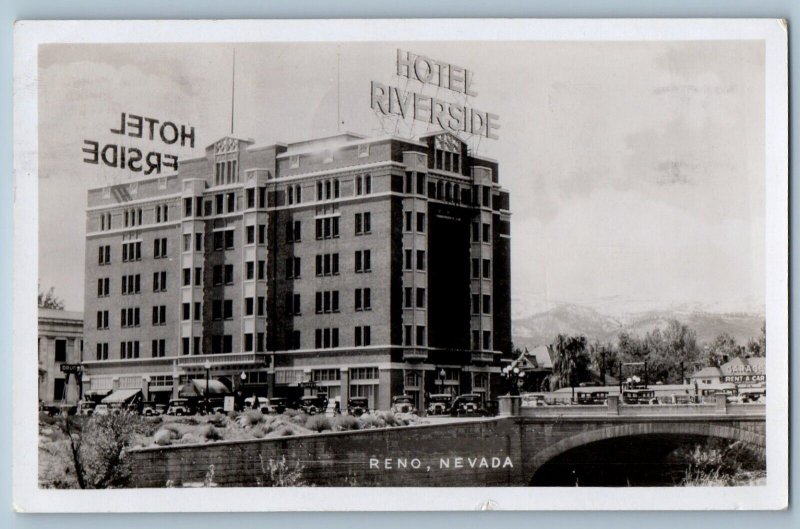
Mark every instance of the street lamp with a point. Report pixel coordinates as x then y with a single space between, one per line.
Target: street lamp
207 365
441 380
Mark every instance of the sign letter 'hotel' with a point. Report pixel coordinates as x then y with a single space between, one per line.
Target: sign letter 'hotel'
359 267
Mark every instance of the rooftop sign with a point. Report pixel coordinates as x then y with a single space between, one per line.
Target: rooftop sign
447 114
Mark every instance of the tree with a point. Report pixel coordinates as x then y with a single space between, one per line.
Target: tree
663 349
758 347
604 359
570 363
722 349
48 300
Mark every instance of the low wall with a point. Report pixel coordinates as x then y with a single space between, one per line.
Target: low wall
480 452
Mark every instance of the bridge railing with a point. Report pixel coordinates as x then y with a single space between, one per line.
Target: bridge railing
613 407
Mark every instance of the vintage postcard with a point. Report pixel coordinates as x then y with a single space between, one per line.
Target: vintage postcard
400 265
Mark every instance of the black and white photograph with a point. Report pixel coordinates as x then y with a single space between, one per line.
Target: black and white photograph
431 257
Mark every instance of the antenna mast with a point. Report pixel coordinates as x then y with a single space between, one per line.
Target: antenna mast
233 88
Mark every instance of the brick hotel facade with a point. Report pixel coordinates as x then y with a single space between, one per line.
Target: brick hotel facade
355 266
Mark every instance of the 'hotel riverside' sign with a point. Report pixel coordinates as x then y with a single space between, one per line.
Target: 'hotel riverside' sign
453 117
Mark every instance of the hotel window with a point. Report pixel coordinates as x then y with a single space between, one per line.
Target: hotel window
198 242
408 215
320 195
160 315
102 351
227 309
487 269
198 311
250 270
292 268
407 297
160 248
363 150
420 298
250 234
227 343
407 329
363 185
487 339
363 299
298 194
363 336
198 276
409 181
290 195
187 207
440 190
294 161
248 341
476 304
104 254
102 319
131 284
262 234
327 264
408 264
363 223
187 311
162 212
485 190
326 302
363 261
260 342
327 189
231 197
261 269
420 259
187 277
476 232
103 285
476 268
251 198
229 240
420 335
159 348
292 304
326 338
295 340
487 304
421 222
219 202
129 349
260 305
420 183
131 251
448 192
159 281
129 317
364 373
293 231
187 242
216 310
487 237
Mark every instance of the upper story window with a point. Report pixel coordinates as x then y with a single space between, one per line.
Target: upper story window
162 213
363 184
105 221
447 153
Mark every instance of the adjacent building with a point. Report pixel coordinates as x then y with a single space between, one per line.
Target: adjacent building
350 265
60 342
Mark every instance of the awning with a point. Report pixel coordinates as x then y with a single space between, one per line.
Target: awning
96 392
197 388
120 396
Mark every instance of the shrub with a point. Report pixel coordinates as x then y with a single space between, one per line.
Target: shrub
259 431
164 437
286 431
218 419
250 418
389 418
346 422
369 420
210 433
318 423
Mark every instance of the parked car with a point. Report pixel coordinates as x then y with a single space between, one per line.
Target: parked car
278 404
102 409
179 407
313 404
357 406
86 407
439 404
403 404
467 405
150 409
533 399
263 404
592 397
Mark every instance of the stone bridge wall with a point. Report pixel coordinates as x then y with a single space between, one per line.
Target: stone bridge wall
488 452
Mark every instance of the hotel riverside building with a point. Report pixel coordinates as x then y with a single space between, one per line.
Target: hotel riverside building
347 265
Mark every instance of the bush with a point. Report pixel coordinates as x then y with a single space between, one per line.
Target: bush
346 422
286 431
210 433
369 420
164 437
318 423
219 420
389 418
259 431
250 418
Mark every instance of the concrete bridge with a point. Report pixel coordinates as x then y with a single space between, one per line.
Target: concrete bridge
511 450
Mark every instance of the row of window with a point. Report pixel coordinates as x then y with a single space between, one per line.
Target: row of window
476 303
481 232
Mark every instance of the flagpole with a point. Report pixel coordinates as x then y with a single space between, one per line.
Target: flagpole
233 88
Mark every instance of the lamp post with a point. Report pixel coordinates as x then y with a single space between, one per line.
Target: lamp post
441 380
207 366
242 378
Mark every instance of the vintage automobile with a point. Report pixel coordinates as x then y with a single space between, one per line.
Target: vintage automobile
313 404
357 405
533 399
102 409
86 407
591 397
263 404
639 396
151 409
179 407
468 405
439 404
403 404
753 395
278 404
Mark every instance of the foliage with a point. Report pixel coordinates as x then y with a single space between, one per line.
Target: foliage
250 418
318 423
570 362
758 347
346 422
48 300
664 350
722 349
604 358
278 473
720 462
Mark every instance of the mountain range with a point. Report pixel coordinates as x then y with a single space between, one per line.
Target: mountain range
541 328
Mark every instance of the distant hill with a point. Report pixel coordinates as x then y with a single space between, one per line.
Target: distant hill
541 328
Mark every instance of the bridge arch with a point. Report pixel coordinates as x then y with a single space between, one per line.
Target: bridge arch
636 429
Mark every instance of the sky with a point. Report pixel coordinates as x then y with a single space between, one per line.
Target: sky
636 169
